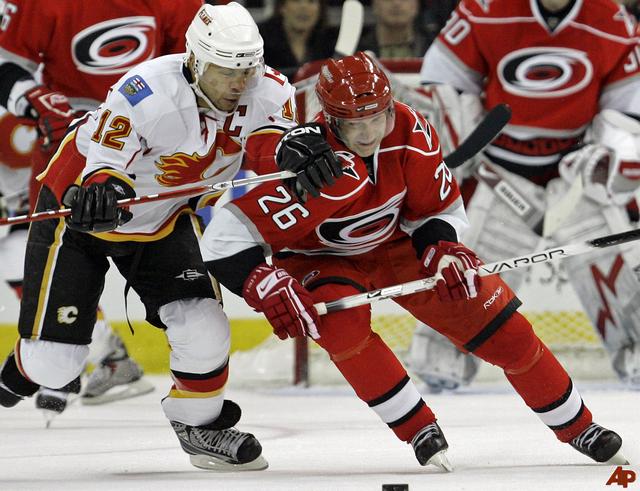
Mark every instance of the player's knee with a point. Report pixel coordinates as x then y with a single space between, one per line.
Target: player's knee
341 331
513 346
438 362
198 333
52 364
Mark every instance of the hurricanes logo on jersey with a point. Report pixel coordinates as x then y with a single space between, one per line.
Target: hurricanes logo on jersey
362 232
545 72
114 46
181 168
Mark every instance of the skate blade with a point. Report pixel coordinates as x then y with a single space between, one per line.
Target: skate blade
441 461
617 459
49 416
209 463
120 392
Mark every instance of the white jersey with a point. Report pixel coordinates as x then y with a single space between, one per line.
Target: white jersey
151 133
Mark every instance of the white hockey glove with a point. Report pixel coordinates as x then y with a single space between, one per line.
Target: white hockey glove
609 166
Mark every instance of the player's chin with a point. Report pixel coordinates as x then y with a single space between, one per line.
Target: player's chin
227 105
365 150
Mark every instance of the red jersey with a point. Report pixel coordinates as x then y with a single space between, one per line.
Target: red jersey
86 46
405 184
556 78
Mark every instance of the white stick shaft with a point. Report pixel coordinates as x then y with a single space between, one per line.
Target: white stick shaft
351 23
137 200
484 270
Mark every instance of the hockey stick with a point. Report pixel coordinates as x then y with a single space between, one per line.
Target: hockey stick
351 22
481 136
484 270
149 198
557 213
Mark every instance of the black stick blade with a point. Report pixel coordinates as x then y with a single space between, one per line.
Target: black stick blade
485 132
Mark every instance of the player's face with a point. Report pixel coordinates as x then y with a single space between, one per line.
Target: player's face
363 136
224 86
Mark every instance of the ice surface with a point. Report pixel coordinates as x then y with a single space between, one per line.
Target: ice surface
314 439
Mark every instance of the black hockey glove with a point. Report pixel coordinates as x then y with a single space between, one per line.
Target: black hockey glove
305 151
95 208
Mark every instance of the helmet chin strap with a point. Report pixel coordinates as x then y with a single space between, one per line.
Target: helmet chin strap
200 93
195 86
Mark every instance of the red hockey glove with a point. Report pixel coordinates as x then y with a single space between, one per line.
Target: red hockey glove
52 112
458 267
285 303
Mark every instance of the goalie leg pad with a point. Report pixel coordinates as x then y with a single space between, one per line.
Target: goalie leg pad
438 363
626 362
199 336
607 282
497 231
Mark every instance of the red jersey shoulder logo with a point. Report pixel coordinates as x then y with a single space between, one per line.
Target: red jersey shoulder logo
348 164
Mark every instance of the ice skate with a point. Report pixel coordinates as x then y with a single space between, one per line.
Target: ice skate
53 402
7 397
219 447
430 446
602 445
114 380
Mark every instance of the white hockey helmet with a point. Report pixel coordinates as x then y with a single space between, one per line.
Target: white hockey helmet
225 35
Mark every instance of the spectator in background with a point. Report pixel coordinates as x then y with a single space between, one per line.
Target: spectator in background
296 34
397 31
632 6
435 14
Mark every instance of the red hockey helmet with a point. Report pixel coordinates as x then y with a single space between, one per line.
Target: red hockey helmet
353 87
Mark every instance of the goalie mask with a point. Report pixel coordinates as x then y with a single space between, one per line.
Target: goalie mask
356 100
227 37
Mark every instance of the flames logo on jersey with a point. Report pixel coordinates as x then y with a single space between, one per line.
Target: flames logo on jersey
545 72
181 168
114 46
360 233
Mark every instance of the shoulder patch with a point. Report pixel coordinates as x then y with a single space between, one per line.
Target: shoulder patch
135 89
355 178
